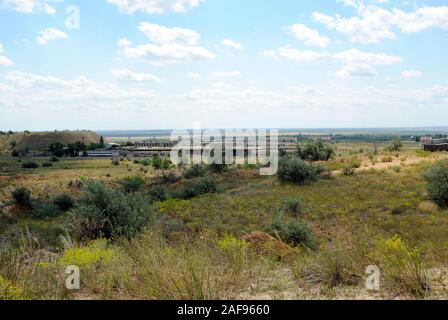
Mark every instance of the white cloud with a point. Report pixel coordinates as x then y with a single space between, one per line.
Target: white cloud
374 23
293 54
308 90
232 44
356 70
4 61
50 34
160 34
170 45
369 58
411 73
155 6
126 74
309 36
31 6
359 63
124 43
193 75
35 91
229 74
356 63
222 85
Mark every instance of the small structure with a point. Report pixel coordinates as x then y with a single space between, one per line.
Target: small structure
430 144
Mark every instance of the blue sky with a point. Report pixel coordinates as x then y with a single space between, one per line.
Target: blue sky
153 64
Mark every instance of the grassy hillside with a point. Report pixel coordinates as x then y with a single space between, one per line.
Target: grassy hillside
216 245
37 141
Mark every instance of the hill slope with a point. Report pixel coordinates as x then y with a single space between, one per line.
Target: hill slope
37 141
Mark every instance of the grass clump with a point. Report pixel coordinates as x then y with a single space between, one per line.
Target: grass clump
10 291
45 210
194 172
157 193
195 188
93 253
22 196
132 184
293 205
403 266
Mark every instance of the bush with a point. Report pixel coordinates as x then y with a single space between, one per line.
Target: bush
194 172
348 170
437 183
157 163
217 168
144 162
54 159
47 165
15 154
63 201
22 196
132 184
315 151
30 165
44 210
294 232
293 205
157 193
396 145
109 213
298 233
193 189
115 162
295 170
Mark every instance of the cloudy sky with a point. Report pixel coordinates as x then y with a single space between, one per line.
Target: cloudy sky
153 64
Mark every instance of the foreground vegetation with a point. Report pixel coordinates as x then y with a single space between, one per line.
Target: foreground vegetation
141 230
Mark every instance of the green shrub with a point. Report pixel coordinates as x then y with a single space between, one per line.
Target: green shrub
437 183
15 154
293 205
196 188
157 163
132 184
22 196
54 159
47 165
315 151
44 210
295 170
63 201
396 145
108 213
30 165
157 193
298 233
115 162
144 162
194 172
294 232
217 168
